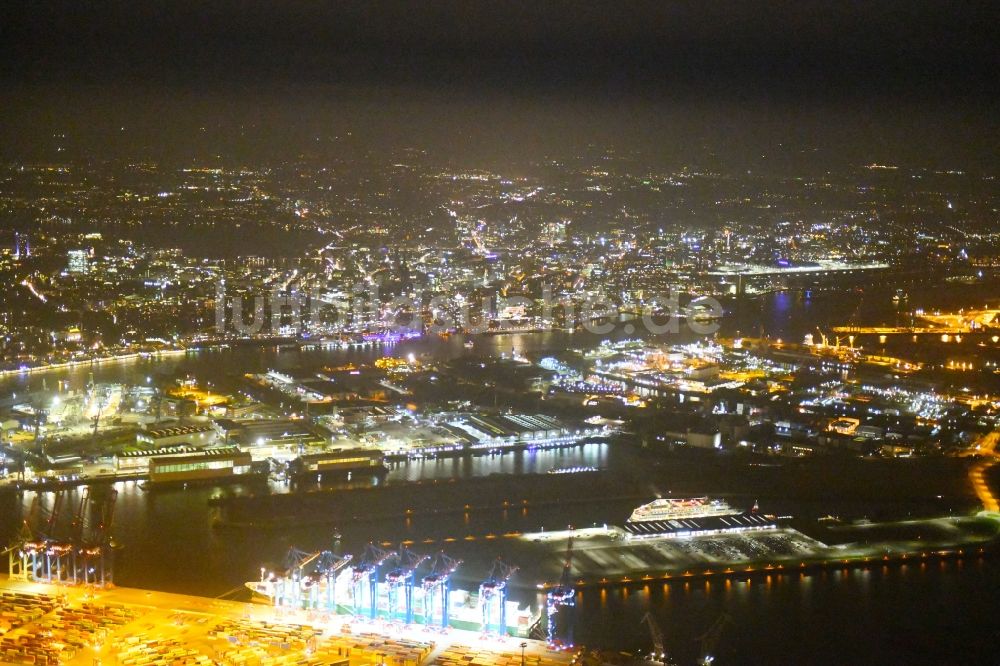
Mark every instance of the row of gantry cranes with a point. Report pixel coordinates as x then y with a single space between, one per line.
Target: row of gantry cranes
47 550
310 581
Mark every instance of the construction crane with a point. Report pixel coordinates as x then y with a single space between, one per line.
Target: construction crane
563 594
40 415
158 396
493 595
366 571
659 654
710 639
97 416
438 584
402 577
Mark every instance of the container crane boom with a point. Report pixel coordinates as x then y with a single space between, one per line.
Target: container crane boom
656 635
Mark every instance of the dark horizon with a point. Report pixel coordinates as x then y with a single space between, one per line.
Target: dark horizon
909 49
902 80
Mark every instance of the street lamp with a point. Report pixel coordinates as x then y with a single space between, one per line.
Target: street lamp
523 645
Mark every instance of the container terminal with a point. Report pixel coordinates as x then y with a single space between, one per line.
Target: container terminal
76 625
396 605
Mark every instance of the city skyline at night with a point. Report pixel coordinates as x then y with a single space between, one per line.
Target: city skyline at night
416 334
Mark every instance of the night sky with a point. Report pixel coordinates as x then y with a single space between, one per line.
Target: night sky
848 73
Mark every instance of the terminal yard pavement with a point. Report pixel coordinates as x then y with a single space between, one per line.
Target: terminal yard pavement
47 624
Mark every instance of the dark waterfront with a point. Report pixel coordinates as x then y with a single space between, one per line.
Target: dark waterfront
169 542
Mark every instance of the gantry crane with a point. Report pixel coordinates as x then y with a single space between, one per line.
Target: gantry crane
60 553
563 594
296 560
23 555
77 528
659 654
289 588
104 535
437 584
365 574
56 553
493 594
402 577
710 639
98 548
308 579
50 524
328 566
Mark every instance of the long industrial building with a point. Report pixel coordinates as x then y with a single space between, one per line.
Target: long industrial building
482 431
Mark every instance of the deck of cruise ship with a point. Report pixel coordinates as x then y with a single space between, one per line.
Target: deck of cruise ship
49 624
607 554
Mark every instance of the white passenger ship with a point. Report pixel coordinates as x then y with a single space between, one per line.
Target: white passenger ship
692 516
680 508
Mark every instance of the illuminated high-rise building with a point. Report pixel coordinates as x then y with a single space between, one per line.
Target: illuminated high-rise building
78 261
22 246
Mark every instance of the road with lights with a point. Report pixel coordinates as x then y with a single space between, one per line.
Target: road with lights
985 447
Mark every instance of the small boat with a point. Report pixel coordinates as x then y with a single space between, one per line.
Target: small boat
573 470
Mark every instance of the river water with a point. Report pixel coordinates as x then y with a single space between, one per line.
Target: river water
938 611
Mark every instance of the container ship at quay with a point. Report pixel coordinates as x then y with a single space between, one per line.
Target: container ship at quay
465 607
387 585
692 516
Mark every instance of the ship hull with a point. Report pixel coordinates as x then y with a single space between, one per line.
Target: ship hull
466 616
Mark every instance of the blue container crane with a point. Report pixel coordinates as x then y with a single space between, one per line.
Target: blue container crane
438 584
366 571
402 577
493 595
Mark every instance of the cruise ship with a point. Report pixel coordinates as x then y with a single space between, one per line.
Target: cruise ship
692 516
673 508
